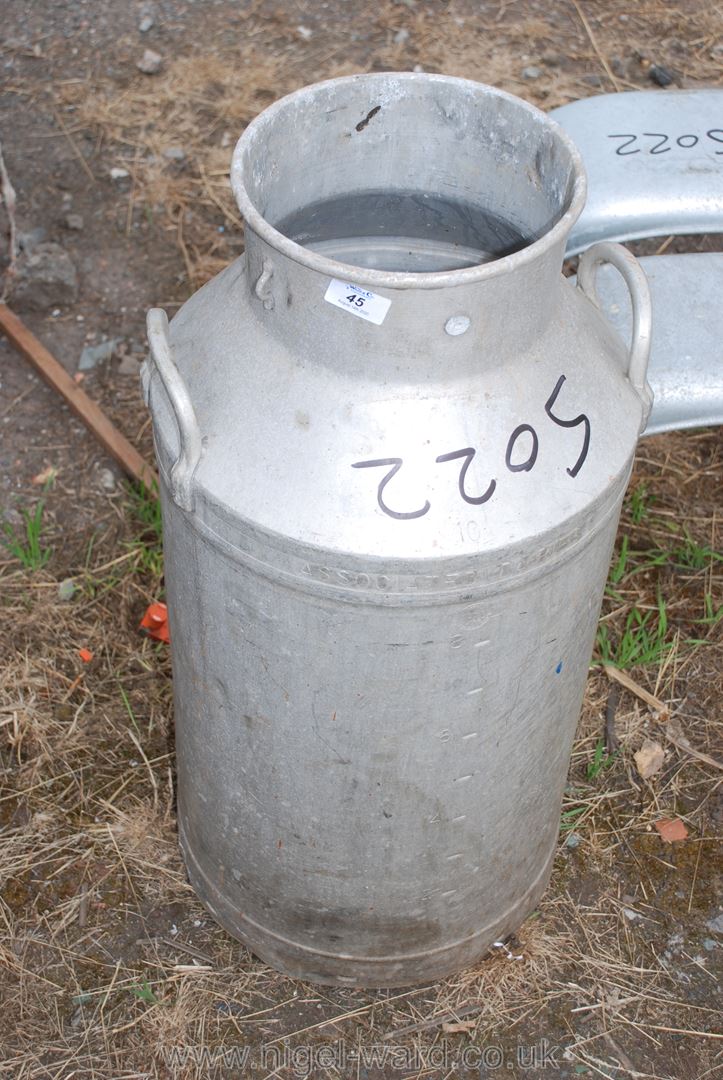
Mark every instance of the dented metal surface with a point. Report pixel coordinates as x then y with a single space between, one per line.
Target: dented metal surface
384 570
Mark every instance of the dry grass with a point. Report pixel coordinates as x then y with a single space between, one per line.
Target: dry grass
201 102
199 105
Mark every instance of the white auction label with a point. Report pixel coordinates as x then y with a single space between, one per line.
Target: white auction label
367 305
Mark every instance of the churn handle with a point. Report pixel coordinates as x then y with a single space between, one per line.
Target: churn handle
189 434
634 276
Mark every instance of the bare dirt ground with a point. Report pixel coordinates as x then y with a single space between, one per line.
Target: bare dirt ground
110 967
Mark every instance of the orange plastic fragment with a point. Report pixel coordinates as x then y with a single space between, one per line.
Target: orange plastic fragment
46 476
85 655
671 829
155 622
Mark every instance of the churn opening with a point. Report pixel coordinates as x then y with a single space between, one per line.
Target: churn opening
406 173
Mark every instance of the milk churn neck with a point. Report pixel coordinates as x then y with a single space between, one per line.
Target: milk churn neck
417 204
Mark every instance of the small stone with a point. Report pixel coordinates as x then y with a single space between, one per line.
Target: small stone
418 68
229 1008
44 277
573 841
305 32
92 355
11 516
661 76
593 80
146 23
119 174
174 153
30 240
66 589
76 1020
401 36
129 365
107 479
630 915
74 222
716 925
649 758
150 62
709 944
531 72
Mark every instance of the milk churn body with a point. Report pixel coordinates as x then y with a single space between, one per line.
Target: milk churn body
386 541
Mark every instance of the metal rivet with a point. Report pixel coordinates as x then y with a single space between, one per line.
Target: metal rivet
457 324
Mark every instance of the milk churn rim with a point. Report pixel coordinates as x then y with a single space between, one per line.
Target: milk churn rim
406 279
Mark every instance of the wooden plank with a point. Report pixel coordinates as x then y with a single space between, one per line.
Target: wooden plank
84 408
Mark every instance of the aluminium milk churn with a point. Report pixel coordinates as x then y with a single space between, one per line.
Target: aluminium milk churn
393 443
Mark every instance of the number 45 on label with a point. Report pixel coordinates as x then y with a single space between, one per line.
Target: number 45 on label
366 305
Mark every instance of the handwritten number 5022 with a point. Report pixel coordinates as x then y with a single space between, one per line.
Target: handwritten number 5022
662 141
523 432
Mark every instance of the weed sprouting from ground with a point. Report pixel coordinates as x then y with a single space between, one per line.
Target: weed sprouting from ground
712 614
643 640
27 546
144 510
654 552
144 992
690 555
639 503
569 818
600 760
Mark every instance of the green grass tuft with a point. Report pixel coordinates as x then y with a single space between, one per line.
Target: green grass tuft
27 547
643 640
600 760
144 508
